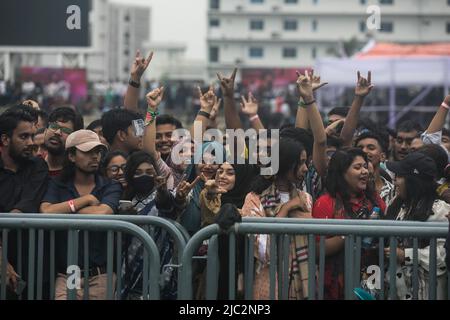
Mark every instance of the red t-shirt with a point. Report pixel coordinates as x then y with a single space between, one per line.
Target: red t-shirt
324 206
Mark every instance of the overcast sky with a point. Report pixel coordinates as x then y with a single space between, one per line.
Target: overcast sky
180 21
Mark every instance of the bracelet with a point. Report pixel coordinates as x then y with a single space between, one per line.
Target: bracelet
301 104
204 113
309 103
446 106
135 84
72 206
253 118
151 116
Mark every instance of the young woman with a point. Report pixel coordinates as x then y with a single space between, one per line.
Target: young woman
349 195
191 216
113 167
277 196
220 200
417 200
149 196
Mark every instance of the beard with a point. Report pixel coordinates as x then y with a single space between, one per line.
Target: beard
20 157
55 150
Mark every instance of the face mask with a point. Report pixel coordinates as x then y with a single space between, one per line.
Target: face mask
143 184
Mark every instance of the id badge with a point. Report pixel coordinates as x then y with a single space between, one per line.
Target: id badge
138 126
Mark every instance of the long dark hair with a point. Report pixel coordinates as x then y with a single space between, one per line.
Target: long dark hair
420 196
133 162
68 171
336 184
289 159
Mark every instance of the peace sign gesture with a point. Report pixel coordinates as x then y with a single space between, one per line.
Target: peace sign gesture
227 84
207 100
139 66
155 97
185 187
250 106
364 86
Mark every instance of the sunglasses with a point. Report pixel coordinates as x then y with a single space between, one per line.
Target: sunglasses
55 127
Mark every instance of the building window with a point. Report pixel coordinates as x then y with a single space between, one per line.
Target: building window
256 25
289 53
387 27
363 2
362 26
386 1
214 23
213 54
214 4
314 52
290 25
448 27
315 2
256 1
290 1
314 25
256 52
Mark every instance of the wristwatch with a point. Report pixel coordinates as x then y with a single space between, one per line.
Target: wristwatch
134 84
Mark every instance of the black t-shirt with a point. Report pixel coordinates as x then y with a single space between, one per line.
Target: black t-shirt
107 192
24 189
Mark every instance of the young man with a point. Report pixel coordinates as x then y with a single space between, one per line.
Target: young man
23 178
406 132
375 148
165 125
121 130
80 189
62 122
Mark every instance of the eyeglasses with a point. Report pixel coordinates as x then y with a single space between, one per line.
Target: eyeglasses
115 168
55 127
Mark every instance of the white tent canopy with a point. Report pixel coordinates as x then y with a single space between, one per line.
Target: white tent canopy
387 71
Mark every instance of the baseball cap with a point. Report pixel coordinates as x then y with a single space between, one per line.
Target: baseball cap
83 140
415 164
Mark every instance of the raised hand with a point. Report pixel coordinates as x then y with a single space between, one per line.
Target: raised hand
207 100
316 84
215 109
250 106
331 129
447 99
227 84
305 86
32 104
155 97
161 183
213 188
139 66
185 187
364 86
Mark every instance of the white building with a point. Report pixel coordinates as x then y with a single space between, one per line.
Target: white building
128 28
293 33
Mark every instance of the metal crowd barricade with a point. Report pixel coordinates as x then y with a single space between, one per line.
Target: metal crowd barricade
280 231
177 232
32 223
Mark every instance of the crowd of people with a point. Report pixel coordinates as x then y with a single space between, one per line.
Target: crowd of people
125 163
